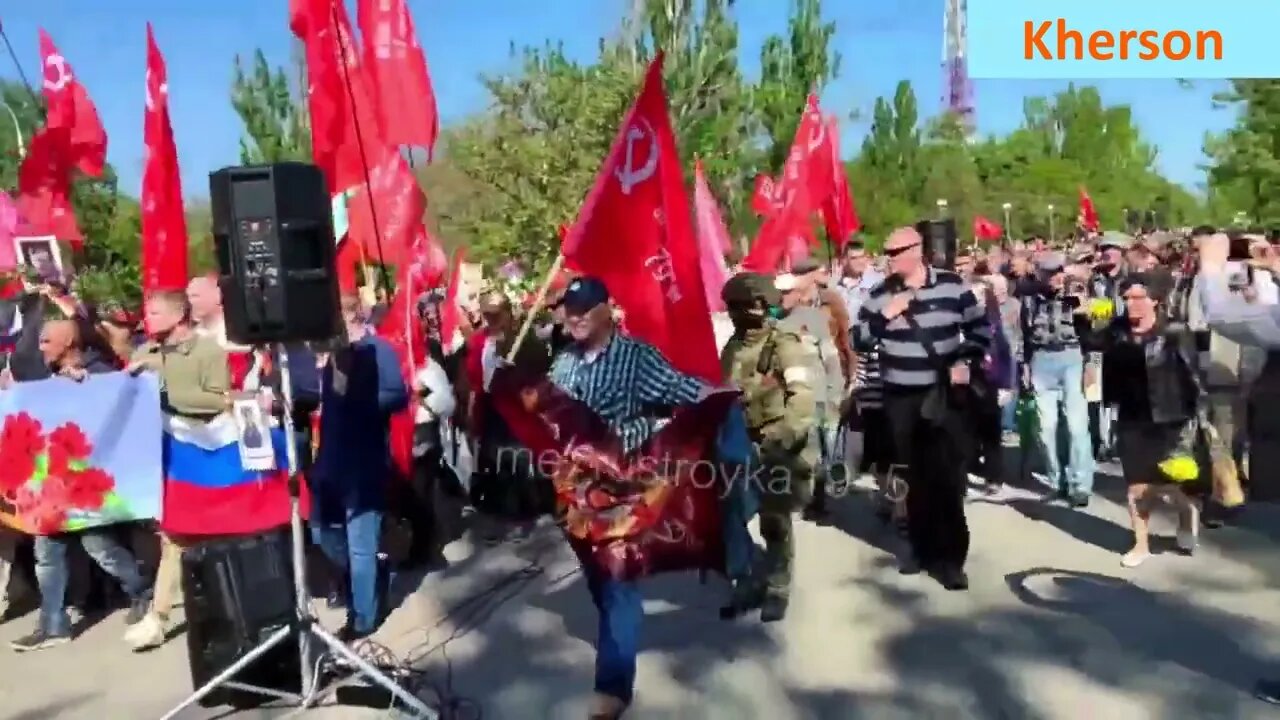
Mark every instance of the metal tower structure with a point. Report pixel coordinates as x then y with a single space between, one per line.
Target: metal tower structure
957 89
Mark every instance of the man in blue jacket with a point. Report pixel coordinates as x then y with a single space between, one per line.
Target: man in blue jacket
361 389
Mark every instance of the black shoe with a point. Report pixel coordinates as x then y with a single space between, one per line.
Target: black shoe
1079 500
138 608
1268 691
40 640
951 577
335 600
773 609
745 598
910 566
817 515
348 634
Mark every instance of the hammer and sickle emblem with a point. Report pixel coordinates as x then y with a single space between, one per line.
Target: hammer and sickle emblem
630 175
818 137
162 92
56 73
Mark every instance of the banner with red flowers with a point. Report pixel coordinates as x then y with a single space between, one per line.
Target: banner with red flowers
76 455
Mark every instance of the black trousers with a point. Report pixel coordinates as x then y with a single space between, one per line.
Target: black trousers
934 458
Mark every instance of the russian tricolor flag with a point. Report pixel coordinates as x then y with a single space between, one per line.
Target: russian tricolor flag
208 492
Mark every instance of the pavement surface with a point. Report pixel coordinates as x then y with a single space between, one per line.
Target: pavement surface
1052 627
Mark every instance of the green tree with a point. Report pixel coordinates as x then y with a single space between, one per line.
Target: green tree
887 176
1244 172
792 68
272 111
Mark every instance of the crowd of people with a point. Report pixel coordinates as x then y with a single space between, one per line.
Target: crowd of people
899 370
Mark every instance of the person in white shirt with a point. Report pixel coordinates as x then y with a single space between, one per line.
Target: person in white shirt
433 411
857 278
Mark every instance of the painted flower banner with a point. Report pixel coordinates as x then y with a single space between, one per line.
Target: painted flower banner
80 455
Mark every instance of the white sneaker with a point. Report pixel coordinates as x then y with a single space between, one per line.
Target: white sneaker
146 634
1133 558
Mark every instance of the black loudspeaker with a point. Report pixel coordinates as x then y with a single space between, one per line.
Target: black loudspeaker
237 592
939 242
273 232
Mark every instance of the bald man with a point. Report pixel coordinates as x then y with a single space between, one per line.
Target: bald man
64 352
205 299
62 347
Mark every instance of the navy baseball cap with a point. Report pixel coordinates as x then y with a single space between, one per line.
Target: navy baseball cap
583 294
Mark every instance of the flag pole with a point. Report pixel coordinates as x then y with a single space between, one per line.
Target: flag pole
14 57
364 158
539 301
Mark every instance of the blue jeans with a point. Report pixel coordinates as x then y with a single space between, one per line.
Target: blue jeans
1057 378
351 544
619 605
52 572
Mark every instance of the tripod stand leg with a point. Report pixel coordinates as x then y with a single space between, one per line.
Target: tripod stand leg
372 673
223 677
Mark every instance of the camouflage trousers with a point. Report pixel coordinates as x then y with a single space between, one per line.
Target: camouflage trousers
777 519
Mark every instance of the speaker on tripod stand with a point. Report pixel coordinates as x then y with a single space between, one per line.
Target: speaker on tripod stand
248 601
273 230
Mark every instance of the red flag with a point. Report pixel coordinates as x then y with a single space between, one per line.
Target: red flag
1088 215
388 225
164 226
634 233
838 212
44 187
450 312
68 106
340 98
402 328
807 182
984 229
765 200
713 239
395 61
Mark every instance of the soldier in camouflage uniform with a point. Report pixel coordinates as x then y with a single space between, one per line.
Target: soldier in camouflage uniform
771 367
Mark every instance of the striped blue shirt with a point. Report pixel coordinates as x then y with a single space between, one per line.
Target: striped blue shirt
628 383
949 318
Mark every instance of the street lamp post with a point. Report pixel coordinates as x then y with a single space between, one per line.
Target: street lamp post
1053 233
1008 231
942 208
17 130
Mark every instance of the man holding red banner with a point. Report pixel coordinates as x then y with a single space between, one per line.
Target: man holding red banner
620 378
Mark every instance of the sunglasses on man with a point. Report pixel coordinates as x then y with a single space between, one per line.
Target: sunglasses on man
895 252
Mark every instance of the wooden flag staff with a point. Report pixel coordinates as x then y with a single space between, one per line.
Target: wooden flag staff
539 301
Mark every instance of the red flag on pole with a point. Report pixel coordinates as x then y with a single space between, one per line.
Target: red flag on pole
44 187
398 68
838 212
986 230
634 233
1088 215
164 226
806 183
450 311
68 106
713 239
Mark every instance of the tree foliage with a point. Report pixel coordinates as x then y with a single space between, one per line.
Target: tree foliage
791 68
1066 142
274 116
1244 175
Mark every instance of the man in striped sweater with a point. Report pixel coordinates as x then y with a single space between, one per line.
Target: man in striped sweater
931 331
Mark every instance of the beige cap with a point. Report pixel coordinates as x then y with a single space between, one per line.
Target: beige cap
786 282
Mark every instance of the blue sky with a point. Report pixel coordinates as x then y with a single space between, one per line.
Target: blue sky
881 41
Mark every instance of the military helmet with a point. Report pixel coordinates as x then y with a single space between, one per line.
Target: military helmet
747 287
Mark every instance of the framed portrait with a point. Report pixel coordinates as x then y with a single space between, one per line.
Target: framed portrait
41 255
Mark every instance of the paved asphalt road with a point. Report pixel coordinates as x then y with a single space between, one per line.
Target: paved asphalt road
1052 628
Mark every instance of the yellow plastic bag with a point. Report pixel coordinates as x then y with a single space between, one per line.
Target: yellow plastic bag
1180 468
